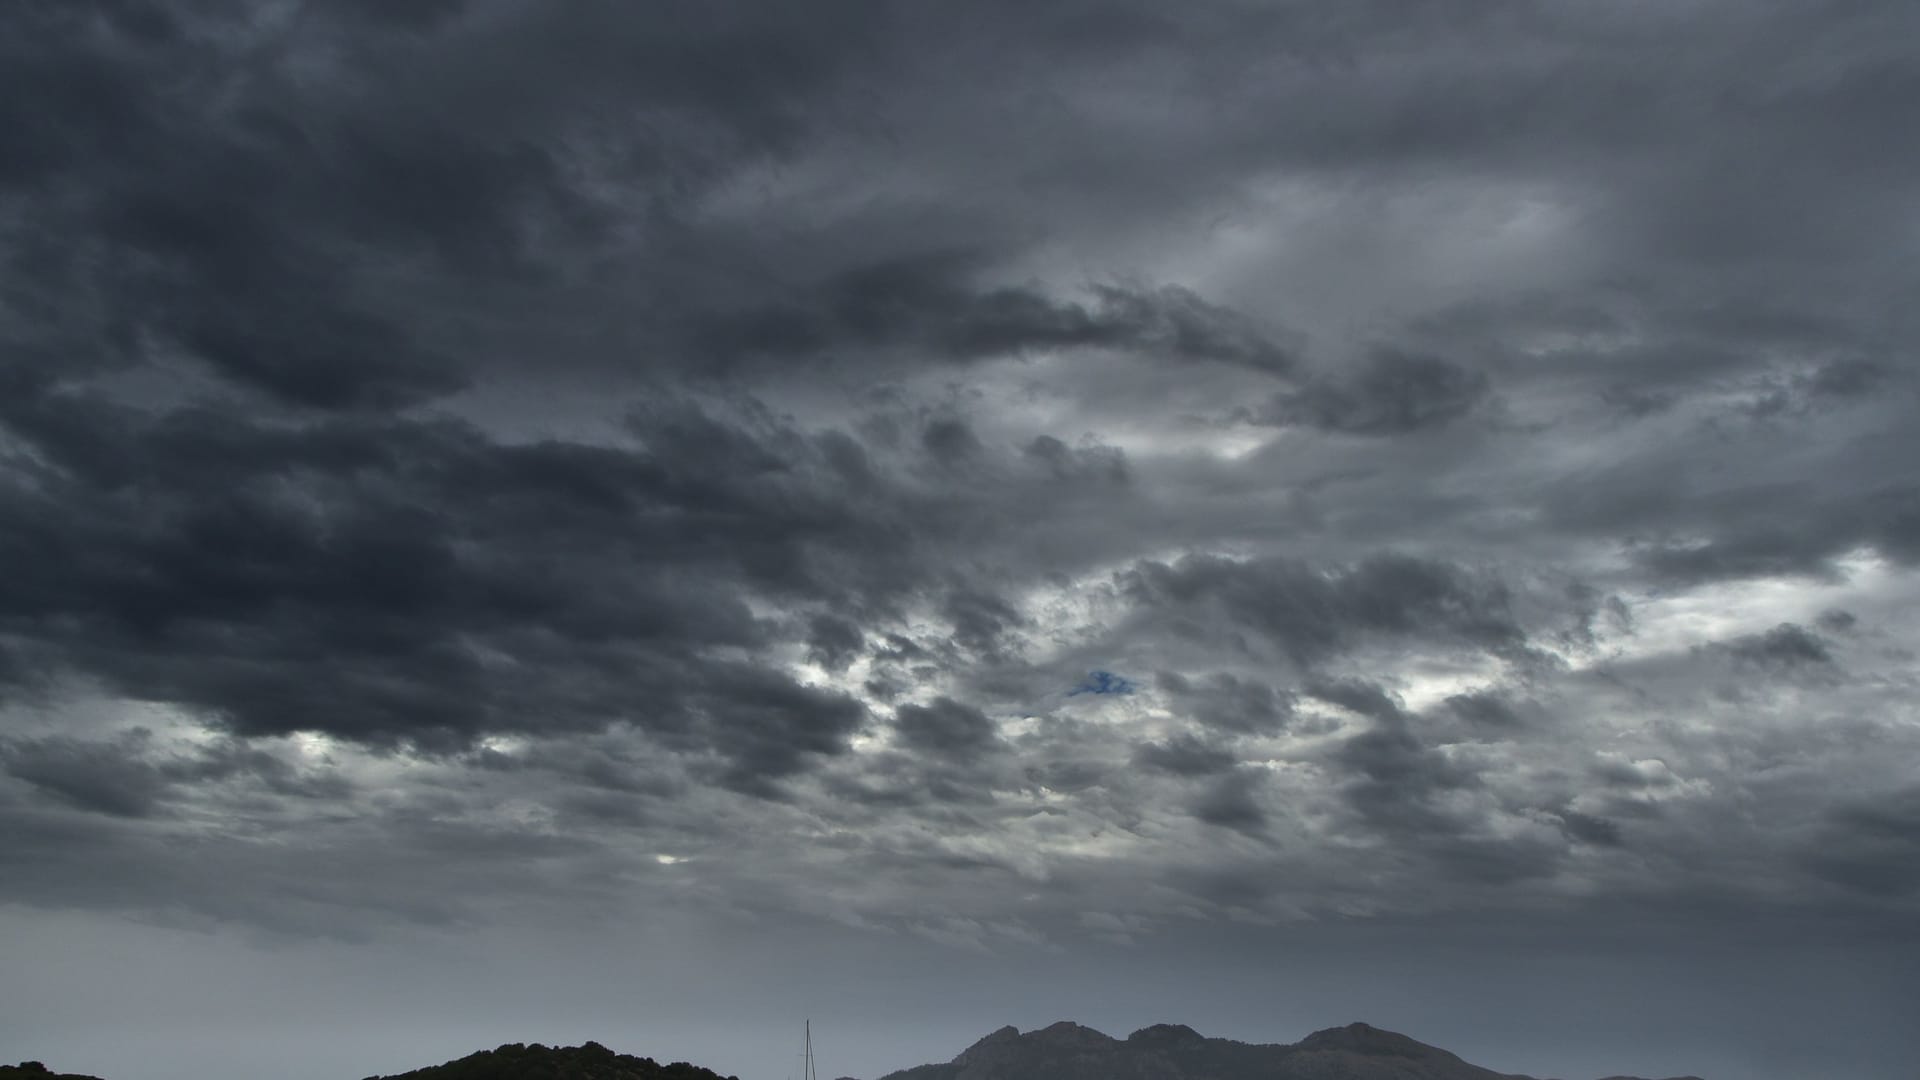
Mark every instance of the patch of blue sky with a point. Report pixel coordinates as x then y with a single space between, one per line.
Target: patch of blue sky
1103 682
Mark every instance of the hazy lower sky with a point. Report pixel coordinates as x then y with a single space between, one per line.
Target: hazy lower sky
532 521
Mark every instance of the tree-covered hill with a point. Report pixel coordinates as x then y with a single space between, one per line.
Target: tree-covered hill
532 1061
33 1070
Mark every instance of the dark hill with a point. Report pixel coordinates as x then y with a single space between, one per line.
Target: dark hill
523 1061
1067 1051
33 1070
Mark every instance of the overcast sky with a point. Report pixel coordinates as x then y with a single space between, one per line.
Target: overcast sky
652 521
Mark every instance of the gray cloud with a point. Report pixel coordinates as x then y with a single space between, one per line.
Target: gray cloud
103 778
1868 847
1489 710
1393 394
392 581
1229 802
1310 613
128 777
1184 755
1788 645
929 303
945 727
1229 703
495 466
1588 829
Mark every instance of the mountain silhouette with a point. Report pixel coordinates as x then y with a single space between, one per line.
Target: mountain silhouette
532 1061
1068 1051
1063 1051
33 1070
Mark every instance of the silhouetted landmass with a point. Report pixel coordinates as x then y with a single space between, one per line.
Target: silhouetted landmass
588 1061
1067 1051
1064 1051
33 1070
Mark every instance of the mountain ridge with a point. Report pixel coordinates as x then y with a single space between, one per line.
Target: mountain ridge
1069 1051
534 1061
34 1070
1060 1051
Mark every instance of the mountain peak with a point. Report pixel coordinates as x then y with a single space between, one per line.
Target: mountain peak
1165 1034
1070 1051
589 1061
1358 1038
34 1070
987 1044
1066 1031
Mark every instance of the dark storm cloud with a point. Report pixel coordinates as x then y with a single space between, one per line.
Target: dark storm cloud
768 726
401 580
107 779
235 213
1230 803
1594 613
1837 621
1311 613
317 876
1485 709
128 776
981 620
932 302
563 463
1184 755
949 441
1685 530
1633 774
1837 381
1871 847
1396 777
1393 393
1759 554
944 728
1098 466
1402 786
1228 702
1789 646
1587 829
833 642
1358 696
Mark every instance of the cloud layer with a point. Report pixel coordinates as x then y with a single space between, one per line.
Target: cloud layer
1024 475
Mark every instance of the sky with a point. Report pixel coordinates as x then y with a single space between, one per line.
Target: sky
655 522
